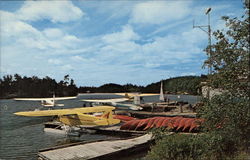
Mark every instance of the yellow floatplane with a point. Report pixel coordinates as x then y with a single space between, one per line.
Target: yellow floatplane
78 116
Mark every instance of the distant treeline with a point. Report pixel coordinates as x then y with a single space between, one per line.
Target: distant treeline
177 85
18 86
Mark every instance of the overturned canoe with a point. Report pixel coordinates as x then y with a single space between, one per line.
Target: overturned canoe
173 123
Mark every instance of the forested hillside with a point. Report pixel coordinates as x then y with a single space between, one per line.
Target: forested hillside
185 84
18 86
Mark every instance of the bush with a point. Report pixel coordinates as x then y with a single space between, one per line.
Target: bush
193 147
228 115
175 147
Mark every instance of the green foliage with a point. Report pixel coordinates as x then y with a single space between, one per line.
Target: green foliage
185 84
111 87
188 84
205 146
188 147
18 86
228 115
230 56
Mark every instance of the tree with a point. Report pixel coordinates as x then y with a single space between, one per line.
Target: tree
66 80
230 56
228 115
17 86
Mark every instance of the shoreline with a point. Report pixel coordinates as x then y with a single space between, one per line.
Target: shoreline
11 96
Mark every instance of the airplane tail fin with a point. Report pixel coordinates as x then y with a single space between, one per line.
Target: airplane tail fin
126 95
109 116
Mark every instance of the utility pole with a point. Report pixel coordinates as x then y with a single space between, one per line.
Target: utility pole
208 31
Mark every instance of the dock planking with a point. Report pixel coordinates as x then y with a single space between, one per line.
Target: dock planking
114 131
95 150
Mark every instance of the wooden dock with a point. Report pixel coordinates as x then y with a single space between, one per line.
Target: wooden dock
97 150
114 131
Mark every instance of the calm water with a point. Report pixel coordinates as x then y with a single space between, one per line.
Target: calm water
22 137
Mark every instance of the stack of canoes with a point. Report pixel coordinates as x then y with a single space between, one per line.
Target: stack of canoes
172 123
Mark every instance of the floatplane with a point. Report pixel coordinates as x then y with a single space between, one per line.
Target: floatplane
135 96
116 102
46 102
76 118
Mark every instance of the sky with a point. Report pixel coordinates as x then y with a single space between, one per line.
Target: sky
99 42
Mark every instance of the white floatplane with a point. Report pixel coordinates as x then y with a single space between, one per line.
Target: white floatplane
46 102
113 102
116 102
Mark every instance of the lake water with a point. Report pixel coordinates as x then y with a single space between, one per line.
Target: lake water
22 137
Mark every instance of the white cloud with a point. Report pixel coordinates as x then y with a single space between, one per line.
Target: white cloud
174 48
77 58
53 33
165 28
55 61
67 67
158 12
16 31
55 11
111 11
64 43
11 27
126 34
82 60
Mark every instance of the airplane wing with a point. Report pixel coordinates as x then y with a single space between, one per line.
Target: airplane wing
43 99
115 100
64 98
60 112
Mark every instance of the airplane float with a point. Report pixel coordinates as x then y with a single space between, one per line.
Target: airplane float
46 102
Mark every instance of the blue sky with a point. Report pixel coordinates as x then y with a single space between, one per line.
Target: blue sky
98 42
